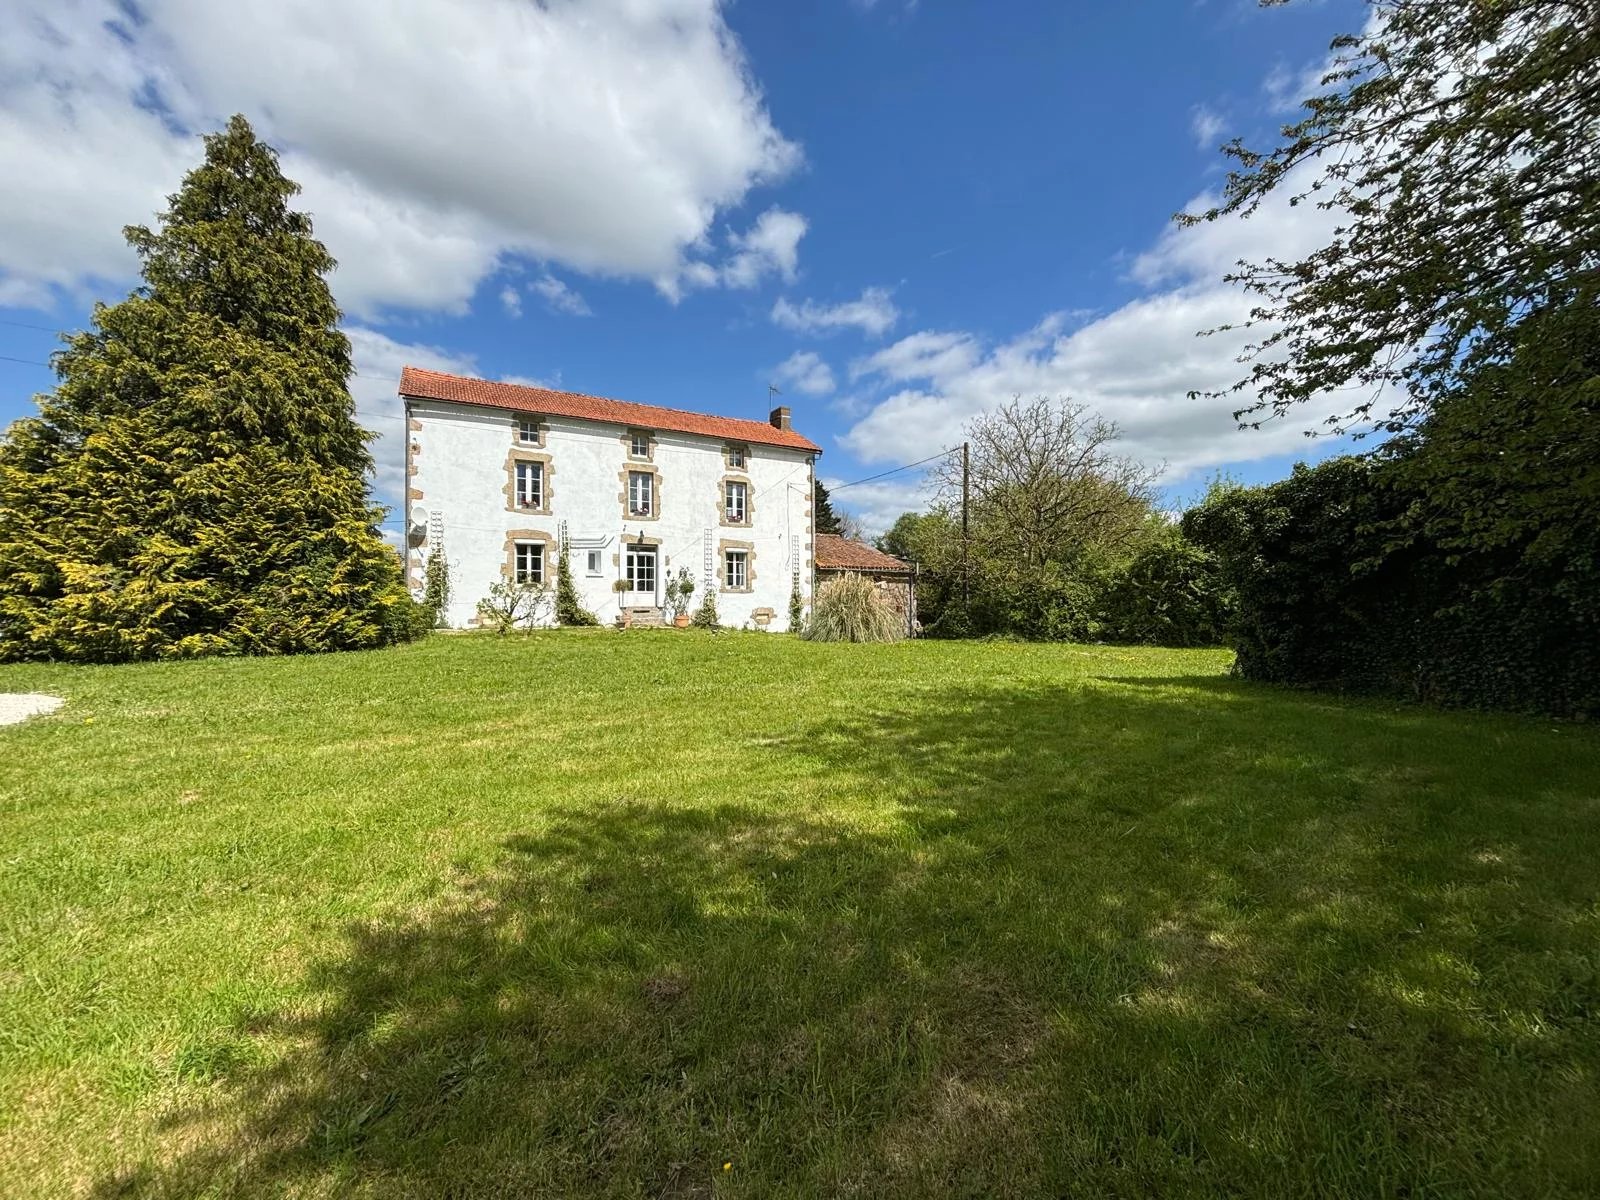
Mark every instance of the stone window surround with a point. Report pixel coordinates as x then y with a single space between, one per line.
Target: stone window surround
627 444
635 466
728 451
508 563
547 489
749 503
541 431
749 548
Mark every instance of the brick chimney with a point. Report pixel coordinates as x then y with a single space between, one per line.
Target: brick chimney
780 417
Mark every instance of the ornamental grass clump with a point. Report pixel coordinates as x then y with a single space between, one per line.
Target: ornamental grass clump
847 609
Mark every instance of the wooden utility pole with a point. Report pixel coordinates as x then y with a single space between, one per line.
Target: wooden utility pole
966 573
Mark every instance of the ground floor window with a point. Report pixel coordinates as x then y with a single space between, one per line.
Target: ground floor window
736 569
592 566
530 562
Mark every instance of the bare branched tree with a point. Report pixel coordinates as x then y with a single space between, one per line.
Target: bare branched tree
1046 483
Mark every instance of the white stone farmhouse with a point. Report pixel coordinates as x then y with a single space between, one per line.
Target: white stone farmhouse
502 476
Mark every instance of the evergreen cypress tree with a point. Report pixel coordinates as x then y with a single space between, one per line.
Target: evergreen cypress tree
196 482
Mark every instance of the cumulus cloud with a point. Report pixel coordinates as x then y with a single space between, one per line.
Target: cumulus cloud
1135 365
804 371
423 169
771 246
559 297
512 300
872 313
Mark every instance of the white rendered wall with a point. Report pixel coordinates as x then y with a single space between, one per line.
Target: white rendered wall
458 474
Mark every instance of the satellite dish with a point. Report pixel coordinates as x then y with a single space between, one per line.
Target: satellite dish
419 517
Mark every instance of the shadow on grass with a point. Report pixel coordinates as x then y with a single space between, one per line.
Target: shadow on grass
1098 942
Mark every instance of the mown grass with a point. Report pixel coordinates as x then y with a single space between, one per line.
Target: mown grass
665 914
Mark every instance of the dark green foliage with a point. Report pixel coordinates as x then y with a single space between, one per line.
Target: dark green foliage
436 587
827 521
1170 594
705 617
196 482
1456 144
569 611
1461 568
797 610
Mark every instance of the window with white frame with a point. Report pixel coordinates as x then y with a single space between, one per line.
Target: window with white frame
529 566
641 494
736 457
639 445
528 431
530 485
593 564
736 570
734 500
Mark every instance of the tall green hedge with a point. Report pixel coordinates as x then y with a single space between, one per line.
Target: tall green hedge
1342 582
1460 565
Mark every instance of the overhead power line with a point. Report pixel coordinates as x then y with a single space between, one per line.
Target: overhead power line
893 470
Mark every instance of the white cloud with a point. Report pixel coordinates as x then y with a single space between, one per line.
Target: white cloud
512 299
423 169
1207 125
769 247
877 504
872 313
804 371
559 297
1134 366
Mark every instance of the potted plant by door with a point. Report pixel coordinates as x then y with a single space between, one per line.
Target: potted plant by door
678 592
624 617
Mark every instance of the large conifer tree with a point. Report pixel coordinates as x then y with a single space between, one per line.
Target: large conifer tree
196 482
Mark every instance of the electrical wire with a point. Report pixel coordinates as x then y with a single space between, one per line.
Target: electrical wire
893 470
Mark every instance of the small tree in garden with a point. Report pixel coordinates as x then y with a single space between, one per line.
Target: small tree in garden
796 608
847 609
705 617
568 609
510 604
436 587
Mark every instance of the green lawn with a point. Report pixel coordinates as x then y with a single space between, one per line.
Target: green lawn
597 914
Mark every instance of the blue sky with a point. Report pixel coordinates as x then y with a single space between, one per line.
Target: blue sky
900 214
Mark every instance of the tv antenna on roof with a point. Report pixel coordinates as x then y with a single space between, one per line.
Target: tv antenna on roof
772 390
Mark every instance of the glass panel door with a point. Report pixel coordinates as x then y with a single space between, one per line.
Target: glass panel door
641 562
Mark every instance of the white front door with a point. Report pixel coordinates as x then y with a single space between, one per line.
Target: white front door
641 565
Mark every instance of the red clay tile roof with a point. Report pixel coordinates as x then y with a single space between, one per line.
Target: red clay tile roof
835 553
436 385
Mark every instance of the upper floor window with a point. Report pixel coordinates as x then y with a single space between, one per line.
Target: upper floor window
528 431
736 569
734 500
641 494
736 458
530 485
639 445
530 562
